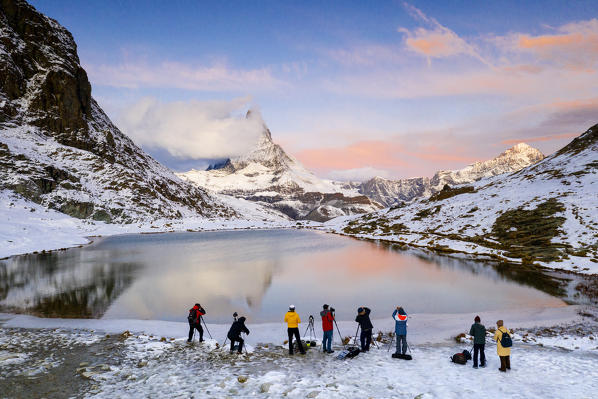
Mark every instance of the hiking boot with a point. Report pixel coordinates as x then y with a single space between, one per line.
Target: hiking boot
202 340
303 353
189 340
483 365
475 367
330 351
502 370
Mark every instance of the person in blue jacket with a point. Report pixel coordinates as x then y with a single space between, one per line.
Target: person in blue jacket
400 317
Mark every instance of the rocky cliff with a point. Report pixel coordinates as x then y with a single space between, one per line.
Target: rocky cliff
58 148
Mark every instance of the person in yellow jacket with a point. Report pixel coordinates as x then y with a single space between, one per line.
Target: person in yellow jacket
504 353
292 319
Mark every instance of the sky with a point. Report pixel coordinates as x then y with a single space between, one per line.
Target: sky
352 89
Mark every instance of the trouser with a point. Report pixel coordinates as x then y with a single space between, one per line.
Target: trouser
236 339
366 339
505 363
479 348
195 327
295 331
401 344
327 341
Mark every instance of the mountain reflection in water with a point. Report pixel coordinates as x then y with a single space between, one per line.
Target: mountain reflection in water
257 273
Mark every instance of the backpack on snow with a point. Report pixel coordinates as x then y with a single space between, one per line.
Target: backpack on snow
461 358
348 353
505 340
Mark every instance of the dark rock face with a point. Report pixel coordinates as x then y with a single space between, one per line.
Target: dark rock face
58 148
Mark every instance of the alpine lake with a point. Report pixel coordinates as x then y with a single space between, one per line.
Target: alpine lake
258 273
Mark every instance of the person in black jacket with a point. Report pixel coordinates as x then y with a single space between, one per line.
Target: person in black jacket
363 318
234 334
478 332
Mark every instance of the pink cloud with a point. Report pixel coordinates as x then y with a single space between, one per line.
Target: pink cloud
540 138
380 154
575 45
437 41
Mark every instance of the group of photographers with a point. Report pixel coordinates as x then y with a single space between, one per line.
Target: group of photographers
293 320
478 331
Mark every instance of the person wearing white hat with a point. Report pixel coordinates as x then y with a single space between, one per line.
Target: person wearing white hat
292 319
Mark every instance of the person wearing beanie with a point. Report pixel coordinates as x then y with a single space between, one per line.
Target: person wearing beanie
363 318
400 317
293 320
327 320
478 332
503 346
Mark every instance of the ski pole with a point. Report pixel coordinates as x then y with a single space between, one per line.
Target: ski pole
206 326
355 339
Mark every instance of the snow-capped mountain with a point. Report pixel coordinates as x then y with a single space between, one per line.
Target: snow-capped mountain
268 175
390 192
59 149
546 213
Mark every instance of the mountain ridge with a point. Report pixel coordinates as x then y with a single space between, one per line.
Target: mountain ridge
58 148
544 214
391 192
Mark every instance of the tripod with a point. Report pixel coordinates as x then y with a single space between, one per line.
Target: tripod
339 333
206 326
393 340
310 328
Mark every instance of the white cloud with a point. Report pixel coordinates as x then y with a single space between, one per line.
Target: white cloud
193 129
171 74
358 174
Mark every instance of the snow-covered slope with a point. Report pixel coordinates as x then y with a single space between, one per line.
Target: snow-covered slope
268 175
545 214
390 192
59 149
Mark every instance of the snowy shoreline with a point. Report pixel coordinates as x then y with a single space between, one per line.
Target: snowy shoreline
114 358
424 328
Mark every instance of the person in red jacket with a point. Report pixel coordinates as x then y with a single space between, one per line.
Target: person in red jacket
194 320
327 320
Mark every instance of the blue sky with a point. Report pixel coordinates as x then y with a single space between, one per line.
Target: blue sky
351 89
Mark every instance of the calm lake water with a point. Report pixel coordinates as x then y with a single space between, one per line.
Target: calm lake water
256 273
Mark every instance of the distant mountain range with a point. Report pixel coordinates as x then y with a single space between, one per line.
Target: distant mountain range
390 192
544 214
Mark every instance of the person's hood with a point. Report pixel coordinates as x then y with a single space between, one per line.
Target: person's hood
195 307
402 312
242 319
